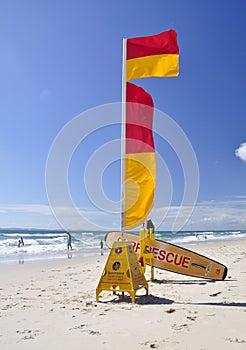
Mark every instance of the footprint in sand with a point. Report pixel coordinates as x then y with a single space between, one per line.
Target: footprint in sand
94 333
192 318
80 326
215 294
177 327
89 331
152 345
236 340
9 306
170 311
28 334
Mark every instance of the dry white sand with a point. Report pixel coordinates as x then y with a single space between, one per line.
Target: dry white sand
53 306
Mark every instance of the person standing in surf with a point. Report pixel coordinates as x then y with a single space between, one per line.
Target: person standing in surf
69 241
101 245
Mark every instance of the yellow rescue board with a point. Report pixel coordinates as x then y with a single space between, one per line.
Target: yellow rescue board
173 258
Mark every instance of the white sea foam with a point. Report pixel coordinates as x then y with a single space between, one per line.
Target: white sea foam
45 245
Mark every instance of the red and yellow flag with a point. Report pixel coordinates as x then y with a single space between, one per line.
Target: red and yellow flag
140 160
152 56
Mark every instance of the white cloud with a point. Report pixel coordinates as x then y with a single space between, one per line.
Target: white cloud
211 215
25 208
27 216
241 152
40 216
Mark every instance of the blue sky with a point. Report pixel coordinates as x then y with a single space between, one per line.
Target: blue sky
61 58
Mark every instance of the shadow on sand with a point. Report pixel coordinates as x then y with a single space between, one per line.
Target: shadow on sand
141 300
189 282
243 305
153 300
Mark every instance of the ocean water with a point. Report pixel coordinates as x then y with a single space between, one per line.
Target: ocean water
44 245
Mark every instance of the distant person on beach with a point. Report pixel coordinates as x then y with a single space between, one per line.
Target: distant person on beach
69 241
101 245
19 243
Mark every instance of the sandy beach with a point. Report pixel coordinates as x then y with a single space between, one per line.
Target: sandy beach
53 305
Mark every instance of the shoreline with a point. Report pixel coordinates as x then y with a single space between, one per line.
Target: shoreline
53 304
21 259
26 258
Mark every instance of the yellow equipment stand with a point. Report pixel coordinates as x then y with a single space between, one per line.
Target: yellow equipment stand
121 272
146 236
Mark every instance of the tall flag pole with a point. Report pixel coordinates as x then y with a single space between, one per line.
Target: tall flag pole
149 56
123 135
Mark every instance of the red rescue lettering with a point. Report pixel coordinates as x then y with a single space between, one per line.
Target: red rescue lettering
135 246
186 261
167 257
162 254
148 249
138 247
155 252
178 259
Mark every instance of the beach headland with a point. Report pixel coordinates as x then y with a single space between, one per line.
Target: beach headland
53 305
